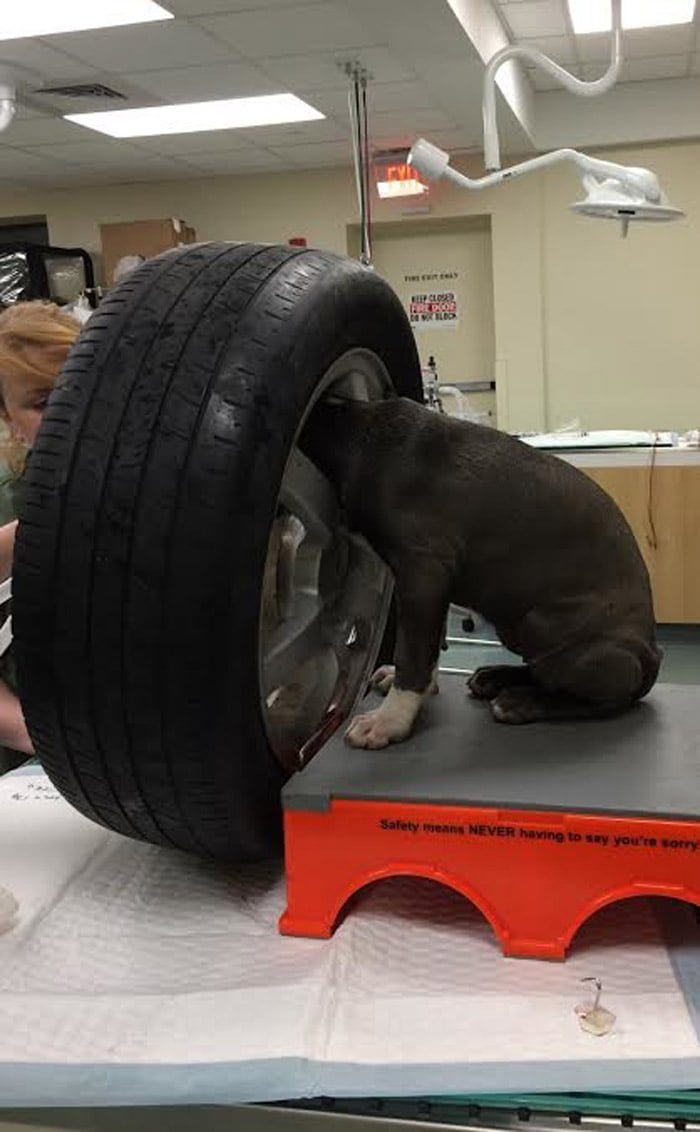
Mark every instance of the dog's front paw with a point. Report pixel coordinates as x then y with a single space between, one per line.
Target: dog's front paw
383 678
375 730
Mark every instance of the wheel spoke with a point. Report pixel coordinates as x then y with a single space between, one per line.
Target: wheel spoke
307 494
298 639
366 593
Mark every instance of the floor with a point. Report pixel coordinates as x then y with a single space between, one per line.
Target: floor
468 650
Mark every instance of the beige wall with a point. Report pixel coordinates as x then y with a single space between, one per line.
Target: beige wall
622 317
586 325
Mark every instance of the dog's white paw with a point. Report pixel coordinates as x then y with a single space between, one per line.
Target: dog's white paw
390 723
383 678
372 731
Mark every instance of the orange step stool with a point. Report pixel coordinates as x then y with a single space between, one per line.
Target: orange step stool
539 826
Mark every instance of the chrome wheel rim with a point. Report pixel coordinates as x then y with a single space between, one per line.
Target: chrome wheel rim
326 594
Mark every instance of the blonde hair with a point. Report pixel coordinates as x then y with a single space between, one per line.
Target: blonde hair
35 338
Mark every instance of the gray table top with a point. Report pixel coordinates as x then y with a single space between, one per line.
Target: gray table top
644 763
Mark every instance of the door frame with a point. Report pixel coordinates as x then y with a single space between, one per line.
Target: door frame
442 225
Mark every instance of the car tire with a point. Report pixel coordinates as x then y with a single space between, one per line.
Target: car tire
148 507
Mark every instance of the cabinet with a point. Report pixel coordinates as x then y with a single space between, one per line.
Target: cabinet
140 237
659 494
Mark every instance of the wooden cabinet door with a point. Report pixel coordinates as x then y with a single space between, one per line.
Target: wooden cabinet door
662 506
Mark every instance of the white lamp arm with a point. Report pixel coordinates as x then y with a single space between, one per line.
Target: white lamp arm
434 163
492 156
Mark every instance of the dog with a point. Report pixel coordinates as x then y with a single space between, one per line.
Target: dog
465 514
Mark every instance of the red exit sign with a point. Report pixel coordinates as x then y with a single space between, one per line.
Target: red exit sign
402 172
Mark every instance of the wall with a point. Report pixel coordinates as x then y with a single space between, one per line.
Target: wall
321 205
586 325
622 317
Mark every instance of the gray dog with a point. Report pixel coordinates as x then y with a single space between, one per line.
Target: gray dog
469 515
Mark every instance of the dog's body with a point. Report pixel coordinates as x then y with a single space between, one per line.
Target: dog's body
468 515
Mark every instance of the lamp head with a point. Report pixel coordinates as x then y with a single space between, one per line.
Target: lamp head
637 196
428 159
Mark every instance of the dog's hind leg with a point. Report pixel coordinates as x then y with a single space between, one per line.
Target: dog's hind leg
422 603
600 679
520 703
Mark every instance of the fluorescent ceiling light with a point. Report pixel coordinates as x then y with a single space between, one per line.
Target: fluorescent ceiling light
595 16
191 117
50 17
411 187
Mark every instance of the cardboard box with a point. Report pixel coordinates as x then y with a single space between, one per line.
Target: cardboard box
141 237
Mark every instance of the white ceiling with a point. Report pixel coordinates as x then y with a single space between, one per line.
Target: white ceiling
650 53
424 58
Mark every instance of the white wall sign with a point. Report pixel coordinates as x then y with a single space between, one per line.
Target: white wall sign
434 310
437 278
433 307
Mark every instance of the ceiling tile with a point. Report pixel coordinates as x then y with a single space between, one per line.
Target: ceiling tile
594 48
394 122
45 63
211 81
183 145
535 18
18 161
301 73
98 152
321 153
662 67
216 7
161 170
636 70
542 81
457 140
658 41
406 96
560 48
24 112
638 42
237 162
148 168
289 31
147 47
327 129
41 131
